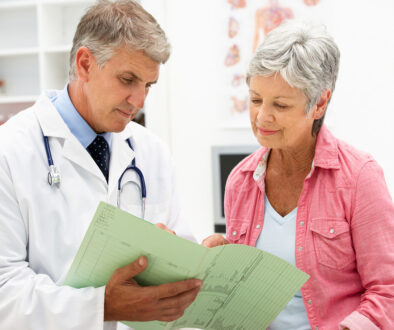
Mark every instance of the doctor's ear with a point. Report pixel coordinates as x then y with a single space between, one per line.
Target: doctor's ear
321 105
84 62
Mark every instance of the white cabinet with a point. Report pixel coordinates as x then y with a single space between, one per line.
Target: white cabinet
35 41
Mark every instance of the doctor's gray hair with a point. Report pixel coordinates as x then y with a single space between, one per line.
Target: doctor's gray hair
110 25
305 56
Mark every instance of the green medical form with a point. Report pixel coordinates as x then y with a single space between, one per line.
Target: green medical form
244 288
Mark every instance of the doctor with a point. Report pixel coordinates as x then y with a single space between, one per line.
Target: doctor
84 135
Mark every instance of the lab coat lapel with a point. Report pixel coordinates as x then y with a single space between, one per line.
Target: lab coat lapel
52 125
121 157
75 152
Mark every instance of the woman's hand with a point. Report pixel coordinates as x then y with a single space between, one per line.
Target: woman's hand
165 228
214 240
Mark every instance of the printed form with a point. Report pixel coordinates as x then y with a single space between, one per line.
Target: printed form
244 288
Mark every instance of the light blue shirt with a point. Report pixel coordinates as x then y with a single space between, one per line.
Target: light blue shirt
77 125
278 237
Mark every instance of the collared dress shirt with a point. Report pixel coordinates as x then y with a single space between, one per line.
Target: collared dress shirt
74 121
344 233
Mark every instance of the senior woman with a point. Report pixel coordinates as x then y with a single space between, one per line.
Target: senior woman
308 197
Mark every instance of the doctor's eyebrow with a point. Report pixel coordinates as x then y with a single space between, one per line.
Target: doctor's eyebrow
134 76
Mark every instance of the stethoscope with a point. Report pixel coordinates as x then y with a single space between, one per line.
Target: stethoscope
54 175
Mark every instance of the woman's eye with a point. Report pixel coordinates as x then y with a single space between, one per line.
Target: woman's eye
255 101
281 106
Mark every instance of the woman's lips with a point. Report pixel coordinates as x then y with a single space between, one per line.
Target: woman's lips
264 131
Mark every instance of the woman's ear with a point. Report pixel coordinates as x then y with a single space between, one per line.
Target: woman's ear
321 105
84 61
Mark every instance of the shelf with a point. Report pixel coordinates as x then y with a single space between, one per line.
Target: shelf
21 75
7 110
60 20
34 48
20 26
65 2
18 51
55 79
18 99
16 4
58 49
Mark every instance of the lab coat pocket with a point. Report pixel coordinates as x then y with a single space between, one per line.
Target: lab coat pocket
332 242
236 232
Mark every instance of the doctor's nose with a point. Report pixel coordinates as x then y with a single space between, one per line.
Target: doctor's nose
137 97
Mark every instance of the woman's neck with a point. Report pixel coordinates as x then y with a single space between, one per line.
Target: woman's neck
293 160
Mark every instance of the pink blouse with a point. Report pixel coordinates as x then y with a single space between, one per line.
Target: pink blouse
344 233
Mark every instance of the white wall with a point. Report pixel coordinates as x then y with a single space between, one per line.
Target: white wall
183 108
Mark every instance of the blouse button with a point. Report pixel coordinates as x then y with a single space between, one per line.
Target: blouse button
234 232
302 223
310 302
332 231
258 226
300 248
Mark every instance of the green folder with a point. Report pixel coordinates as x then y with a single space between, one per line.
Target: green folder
244 288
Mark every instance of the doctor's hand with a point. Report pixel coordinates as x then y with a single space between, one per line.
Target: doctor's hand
214 240
164 227
125 300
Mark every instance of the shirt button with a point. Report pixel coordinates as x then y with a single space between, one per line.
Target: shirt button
234 233
310 302
258 226
300 248
332 231
302 223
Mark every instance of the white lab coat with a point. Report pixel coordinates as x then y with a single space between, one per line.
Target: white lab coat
41 227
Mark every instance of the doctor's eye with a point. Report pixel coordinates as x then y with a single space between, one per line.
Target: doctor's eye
127 81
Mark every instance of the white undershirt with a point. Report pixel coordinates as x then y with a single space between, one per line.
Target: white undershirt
278 237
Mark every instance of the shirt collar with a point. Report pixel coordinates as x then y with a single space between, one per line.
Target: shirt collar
77 125
326 150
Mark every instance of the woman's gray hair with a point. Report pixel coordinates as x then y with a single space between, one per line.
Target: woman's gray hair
305 56
110 25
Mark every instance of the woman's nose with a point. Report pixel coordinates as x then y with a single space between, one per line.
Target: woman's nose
265 114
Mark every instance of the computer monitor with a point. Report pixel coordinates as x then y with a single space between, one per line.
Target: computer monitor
224 159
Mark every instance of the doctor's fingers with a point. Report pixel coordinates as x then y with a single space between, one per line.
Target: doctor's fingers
172 314
144 304
177 304
173 308
174 289
127 272
164 227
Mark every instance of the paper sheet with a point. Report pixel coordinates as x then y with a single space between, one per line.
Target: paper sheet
244 287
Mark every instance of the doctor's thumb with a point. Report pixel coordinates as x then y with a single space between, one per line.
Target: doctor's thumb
133 269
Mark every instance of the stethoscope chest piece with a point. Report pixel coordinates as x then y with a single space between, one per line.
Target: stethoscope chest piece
53 176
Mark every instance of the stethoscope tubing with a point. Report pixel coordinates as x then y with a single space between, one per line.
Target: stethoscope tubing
54 175
48 151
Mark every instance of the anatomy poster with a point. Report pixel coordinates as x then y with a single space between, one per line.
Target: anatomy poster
245 24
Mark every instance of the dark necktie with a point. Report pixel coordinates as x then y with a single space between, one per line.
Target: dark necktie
99 150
